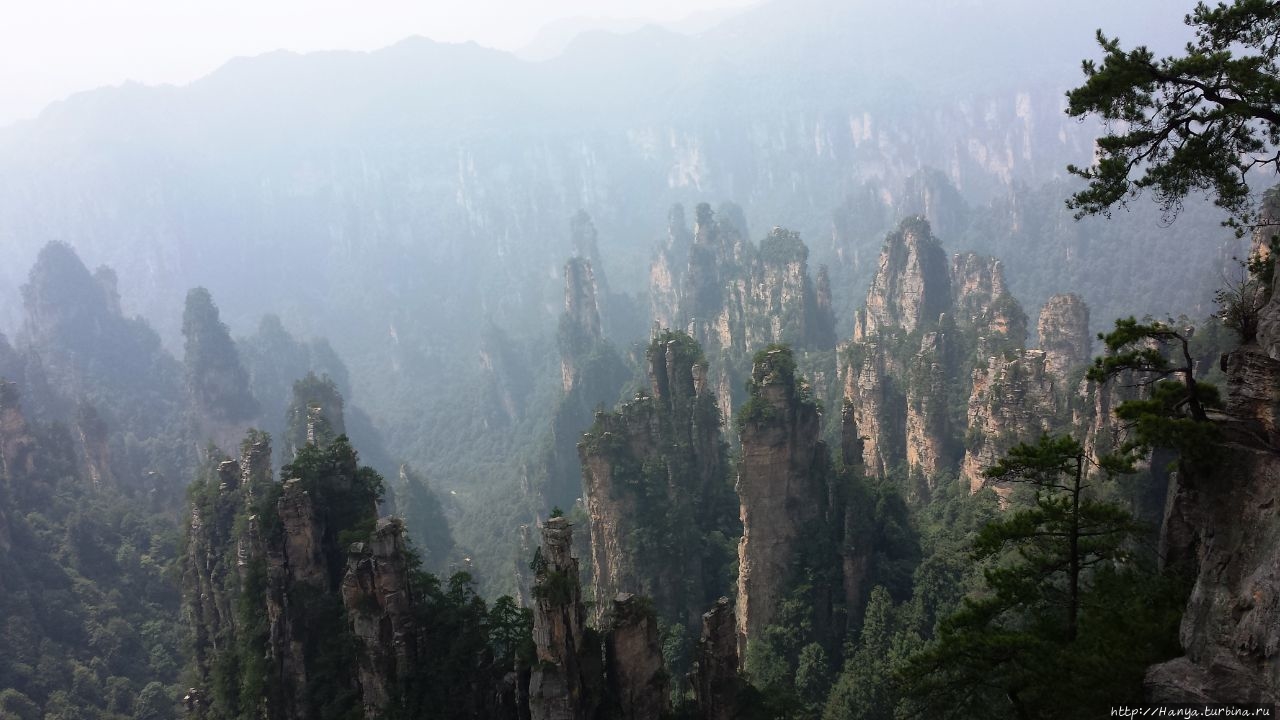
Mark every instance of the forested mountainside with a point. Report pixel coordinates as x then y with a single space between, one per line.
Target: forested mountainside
752 374
410 204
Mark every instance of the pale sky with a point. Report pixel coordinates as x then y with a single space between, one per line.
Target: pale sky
52 48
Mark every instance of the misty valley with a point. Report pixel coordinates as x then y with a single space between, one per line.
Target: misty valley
825 363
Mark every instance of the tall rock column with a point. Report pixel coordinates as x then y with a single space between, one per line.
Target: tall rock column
1064 333
379 604
580 324
912 285
782 487
656 484
561 686
928 440
1012 401
715 679
633 651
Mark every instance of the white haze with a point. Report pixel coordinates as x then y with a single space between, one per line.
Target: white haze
50 49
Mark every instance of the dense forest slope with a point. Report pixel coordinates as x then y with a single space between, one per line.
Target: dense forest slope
410 204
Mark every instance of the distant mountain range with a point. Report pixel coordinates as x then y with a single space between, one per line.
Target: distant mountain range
401 201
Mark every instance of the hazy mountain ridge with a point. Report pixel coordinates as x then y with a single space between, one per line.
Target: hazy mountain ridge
400 201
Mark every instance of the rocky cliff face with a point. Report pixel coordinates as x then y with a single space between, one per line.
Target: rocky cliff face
666 271
782 485
929 442
1064 333
76 345
563 685
219 562
907 372
654 475
1221 525
17 456
637 680
982 300
16 443
580 324
286 619
912 285
735 297
875 404
715 680
95 445
1013 400
375 591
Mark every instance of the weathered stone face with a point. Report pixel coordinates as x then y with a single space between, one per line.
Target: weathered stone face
912 285
581 319
16 443
898 392
1012 401
558 686
1221 525
1064 333
782 487
633 654
657 466
715 680
981 300
376 594
732 295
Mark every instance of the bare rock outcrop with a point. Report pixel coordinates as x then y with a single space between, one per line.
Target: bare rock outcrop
1064 333
580 324
1222 524
563 685
717 686
1222 527
17 445
982 300
633 654
782 487
734 296
1013 400
654 475
379 604
929 447
912 285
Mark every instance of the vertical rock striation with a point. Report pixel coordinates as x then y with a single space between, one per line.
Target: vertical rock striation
1064 333
715 680
637 680
654 475
563 684
1222 527
907 374
376 594
912 284
1013 400
580 324
782 486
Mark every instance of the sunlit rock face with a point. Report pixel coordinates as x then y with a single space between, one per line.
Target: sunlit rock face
1063 328
655 481
782 487
559 685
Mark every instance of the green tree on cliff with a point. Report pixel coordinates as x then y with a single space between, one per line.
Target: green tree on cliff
1175 413
1066 622
1200 121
